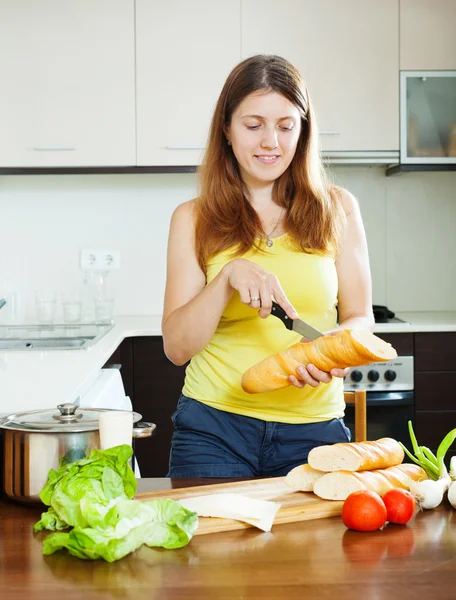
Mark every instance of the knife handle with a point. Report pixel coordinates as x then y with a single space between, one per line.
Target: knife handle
278 312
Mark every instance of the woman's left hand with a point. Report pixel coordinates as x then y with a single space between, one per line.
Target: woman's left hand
310 375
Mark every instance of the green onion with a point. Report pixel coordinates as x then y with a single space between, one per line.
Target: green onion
433 465
429 494
443 449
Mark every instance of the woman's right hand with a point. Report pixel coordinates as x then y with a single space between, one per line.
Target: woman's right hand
257 287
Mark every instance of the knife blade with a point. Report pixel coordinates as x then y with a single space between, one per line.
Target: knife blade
297 325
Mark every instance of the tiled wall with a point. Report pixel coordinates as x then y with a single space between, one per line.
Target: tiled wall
410 221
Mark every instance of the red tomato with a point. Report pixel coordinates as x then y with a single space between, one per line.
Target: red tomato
364 511
400 506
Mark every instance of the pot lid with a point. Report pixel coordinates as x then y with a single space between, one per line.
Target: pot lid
68 418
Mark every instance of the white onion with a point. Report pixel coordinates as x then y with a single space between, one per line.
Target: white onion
452 494
429 493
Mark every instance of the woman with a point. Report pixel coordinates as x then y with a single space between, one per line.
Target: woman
266 225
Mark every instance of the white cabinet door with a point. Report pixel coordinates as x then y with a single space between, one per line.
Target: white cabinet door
427 35
184 52
347 51
67 83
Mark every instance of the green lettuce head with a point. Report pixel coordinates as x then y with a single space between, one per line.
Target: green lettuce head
102 477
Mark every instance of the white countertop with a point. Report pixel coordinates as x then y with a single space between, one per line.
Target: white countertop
420 322
42 379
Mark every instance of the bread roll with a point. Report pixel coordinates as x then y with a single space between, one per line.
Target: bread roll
347 348
340 484
356 456
302 478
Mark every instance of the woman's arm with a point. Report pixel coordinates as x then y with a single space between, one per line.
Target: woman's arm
353 271
192 310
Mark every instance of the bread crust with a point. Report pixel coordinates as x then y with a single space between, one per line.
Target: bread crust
340 484
357 456
346 348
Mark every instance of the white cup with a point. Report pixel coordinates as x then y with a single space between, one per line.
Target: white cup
45 304
72 311
116 428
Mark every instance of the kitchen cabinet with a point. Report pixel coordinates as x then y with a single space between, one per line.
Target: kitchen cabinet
184 52
401 342
158 385
68 83
427 34
348 53
435 385
428 117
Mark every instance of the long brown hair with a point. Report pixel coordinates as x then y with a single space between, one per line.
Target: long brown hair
224 218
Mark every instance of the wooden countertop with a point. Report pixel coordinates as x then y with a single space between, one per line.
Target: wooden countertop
319 560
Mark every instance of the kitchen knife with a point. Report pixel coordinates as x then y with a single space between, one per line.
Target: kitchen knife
297 325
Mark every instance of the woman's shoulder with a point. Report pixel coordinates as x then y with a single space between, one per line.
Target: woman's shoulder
347 200
184 214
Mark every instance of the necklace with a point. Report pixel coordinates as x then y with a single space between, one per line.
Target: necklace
269 241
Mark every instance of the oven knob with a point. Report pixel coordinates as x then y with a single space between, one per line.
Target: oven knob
356 376
373 375
390 375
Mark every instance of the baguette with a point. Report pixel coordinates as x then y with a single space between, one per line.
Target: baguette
303 478
357 456
347 348
340 484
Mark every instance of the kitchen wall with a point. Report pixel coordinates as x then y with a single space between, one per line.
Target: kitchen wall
410 221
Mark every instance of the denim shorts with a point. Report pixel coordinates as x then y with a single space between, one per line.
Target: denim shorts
213 443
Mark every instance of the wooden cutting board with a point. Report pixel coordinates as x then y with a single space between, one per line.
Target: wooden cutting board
296 506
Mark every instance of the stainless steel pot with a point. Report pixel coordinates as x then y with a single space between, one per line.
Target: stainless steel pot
34 442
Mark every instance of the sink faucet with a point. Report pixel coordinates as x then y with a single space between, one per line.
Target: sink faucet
2 302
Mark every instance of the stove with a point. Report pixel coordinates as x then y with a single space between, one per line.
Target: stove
390 398
382 314
391 376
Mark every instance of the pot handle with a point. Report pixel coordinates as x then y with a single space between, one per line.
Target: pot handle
143 429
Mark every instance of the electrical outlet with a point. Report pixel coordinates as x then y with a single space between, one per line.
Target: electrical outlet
100 260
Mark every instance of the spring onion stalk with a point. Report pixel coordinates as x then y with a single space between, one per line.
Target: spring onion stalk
453 467
422 457
429 493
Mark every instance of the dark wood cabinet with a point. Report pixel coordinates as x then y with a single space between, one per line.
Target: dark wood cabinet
435 387
435 351
158 385
402 342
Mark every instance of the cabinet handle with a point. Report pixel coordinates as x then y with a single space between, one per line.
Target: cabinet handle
185 147
53 148
329 133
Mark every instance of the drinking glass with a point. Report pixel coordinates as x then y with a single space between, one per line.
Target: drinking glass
104 308
45 306
72 307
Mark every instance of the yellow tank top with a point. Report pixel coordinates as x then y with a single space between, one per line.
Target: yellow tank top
242 339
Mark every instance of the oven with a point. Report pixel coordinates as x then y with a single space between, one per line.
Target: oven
390 399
